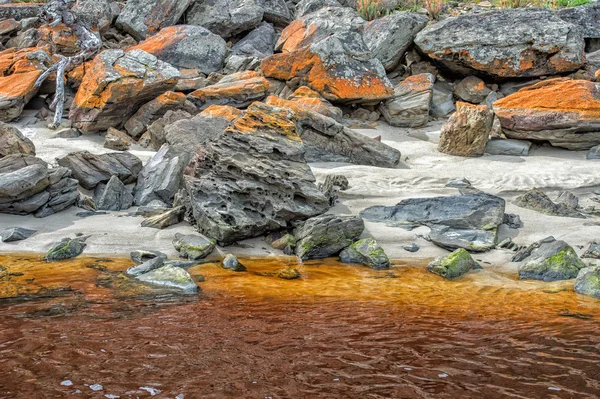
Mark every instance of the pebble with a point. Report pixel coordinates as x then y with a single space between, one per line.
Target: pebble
96 387
151 391
67 383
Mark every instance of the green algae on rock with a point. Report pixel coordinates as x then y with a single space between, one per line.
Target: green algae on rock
366 252
588 282
193 246
454 265
66 249
548 260
289 273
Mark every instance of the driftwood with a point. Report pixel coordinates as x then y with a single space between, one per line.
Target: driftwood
54 13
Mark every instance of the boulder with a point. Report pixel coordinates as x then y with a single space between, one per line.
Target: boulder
19 70
305 7
112 196
586 16
193 246
143 18
505 43
156 130
588 282
366 252
115 142
536 200
548 260
326 235
116 85
238 90
255 46
226 18
95 14
147 266
140 256
15 234
12 141
187 46
186 135
90 169
277 12
230 262
389 37
562 111
160 178
472 90
466 132
454 265
466 221
67 248
593 251
153 110
508 147
410 105
172 277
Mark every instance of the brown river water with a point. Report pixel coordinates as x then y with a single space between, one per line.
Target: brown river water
338 332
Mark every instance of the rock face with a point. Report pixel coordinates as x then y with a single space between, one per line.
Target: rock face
19 69
12 141
466 132
115 85
153 110
454 265
505 43
588 282
562 111
326 235
142 18
366 252
467 221
90 169
66 249
389 37
226 17
238 90
325 51
249 51
586 16
409 107
536 200
548 260
250 180
187 46
160 178
113 196
193 246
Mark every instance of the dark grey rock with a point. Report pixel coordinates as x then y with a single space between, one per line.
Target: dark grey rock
226 17
230 262
147 266
259 43
277 12
113 196
411 248
442 102
186 135
67 248
140 256
326 235
193 246
593 251
454 265
95 14
513 221
536 200
366 252
12 141
305 7
15 234
588 282
586 16
90 169
142 18
332 185
508 147
548 260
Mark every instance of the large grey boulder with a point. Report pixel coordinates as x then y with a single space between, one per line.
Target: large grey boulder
586 16
548 260
96 14
588 282
91 169
466 221
259 43
186 135
112 196
142 18
226 17
366 252
505 43
326 235
277 12
389 37
12 141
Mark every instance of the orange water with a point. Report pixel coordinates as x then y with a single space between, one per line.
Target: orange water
338 332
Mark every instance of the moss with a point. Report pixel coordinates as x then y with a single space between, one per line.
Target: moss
565 261
452 266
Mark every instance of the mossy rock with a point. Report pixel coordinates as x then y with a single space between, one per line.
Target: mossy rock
193 246
551 261
366 252
326 235
288 273
454 265
588 282
66 249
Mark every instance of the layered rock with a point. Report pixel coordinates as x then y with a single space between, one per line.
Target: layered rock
410 105
472 90
467 221
115 85
226 17
505 43
90 169
112 196
548 260
19 11
536 200
238 90
142 18
187 46
12 141
251 49
586 16
467 131
96 14
326 235
153 110
277 12
562 111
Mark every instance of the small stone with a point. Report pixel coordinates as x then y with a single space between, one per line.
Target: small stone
454 265
472 90
289 273
287 240
70 133
593 251
466 132
171 276
114 142
366 252
230 262
411 248
140 256
193 246
508 147
66 249
15 234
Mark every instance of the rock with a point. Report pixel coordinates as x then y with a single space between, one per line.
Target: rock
142 18
585 16
465 221
251 179
536 200
593 251
230 262
255 46
411 248
548 260
410 105
472 90
157 129
568 199
95 14
67 248
19 69
326 235
466 132
459 183
140 256
331 186
90 169
505 43
19 10
147 266
389 37
325 51
289 273
115 142
513 221
277 12
152 111
454 265
171 276
366 252
186 135
113 196
593 153
588 282
226 18
12 141
305 7
165 219
193 246
161 177
15 234
70 133
508 147
9 26
116 85
286 241
187 46
238 90
562 111
442 102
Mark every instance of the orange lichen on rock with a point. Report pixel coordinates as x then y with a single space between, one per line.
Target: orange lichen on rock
311 100
267 118
157 44
61 38
234 92
222 111
295 35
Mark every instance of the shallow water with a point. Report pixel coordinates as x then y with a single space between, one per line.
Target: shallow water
338 332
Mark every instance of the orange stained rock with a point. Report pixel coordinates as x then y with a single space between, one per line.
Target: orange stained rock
16 61
554 95
171 98
18 85
61 36
76 74
222 111
309 67
597 74
415 83
262 117
311 100
305 92
156 44
233 89
294 35
244 75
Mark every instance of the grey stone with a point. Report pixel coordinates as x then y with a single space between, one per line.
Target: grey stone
165 219
230 262
411 248
95 14
586 16
442 102
157 128
225 17
593 251
593 153
411 102
186 135
172 277
140 256
366 252
259 43
112 196
152 111
305 7
147 266
513 221
326 235
536 200
508 147
548 260
160 178
472 89
454 265
588 282
12 141
142 18
277 12
193 246
67 248
15 234
90 169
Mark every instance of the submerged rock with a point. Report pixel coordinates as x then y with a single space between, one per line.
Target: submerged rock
67 248
588 282
15 234
289 273
366 252
170 276
147 266
326 235
466 132
230 262
193 246
548 260
536 200
454 265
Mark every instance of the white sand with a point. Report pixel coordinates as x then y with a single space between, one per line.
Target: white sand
424 173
